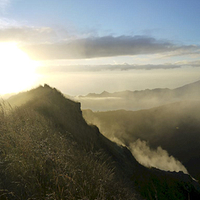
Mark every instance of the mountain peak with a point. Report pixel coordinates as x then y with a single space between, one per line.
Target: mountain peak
42 93
104 93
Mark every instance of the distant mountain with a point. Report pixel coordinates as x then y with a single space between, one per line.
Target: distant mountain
48 151
188 91
174 127
103 94
136 100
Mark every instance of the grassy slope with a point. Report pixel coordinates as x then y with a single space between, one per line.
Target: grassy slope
49 152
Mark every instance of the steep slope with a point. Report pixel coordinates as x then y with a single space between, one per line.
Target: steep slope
136 100
175 127
49 152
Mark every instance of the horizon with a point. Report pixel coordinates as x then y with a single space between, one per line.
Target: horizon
78 95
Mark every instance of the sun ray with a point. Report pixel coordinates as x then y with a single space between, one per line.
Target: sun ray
17 70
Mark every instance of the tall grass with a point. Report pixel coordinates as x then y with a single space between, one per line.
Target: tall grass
37 161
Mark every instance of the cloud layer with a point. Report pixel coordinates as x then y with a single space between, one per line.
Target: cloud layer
115 67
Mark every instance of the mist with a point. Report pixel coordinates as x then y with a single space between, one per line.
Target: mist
157 158
136 100
140 149
171 130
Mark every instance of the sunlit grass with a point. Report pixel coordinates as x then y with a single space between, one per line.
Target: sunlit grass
39 162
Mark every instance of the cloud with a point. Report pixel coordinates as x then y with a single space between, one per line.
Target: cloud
115 67
193 63
126 67
24 34
158 158
6 23
191 50
95 47
45 43
96 68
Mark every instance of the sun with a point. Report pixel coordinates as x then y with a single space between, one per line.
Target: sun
17 70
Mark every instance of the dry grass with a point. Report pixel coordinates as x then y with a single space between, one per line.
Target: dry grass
39 162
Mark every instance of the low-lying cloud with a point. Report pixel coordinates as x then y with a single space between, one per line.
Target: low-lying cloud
158 158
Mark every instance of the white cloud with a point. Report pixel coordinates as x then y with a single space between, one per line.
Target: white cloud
7 23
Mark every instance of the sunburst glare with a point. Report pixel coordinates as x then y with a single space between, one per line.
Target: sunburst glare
17 70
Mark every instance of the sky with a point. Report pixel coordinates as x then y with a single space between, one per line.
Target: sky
91 46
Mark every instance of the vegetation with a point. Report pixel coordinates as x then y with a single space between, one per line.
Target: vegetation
48 151
39 161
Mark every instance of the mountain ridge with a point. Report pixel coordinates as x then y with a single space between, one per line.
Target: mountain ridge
45 113
114 94
136 100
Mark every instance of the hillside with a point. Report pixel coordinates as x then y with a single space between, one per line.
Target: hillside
136 100
174 127
48 151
